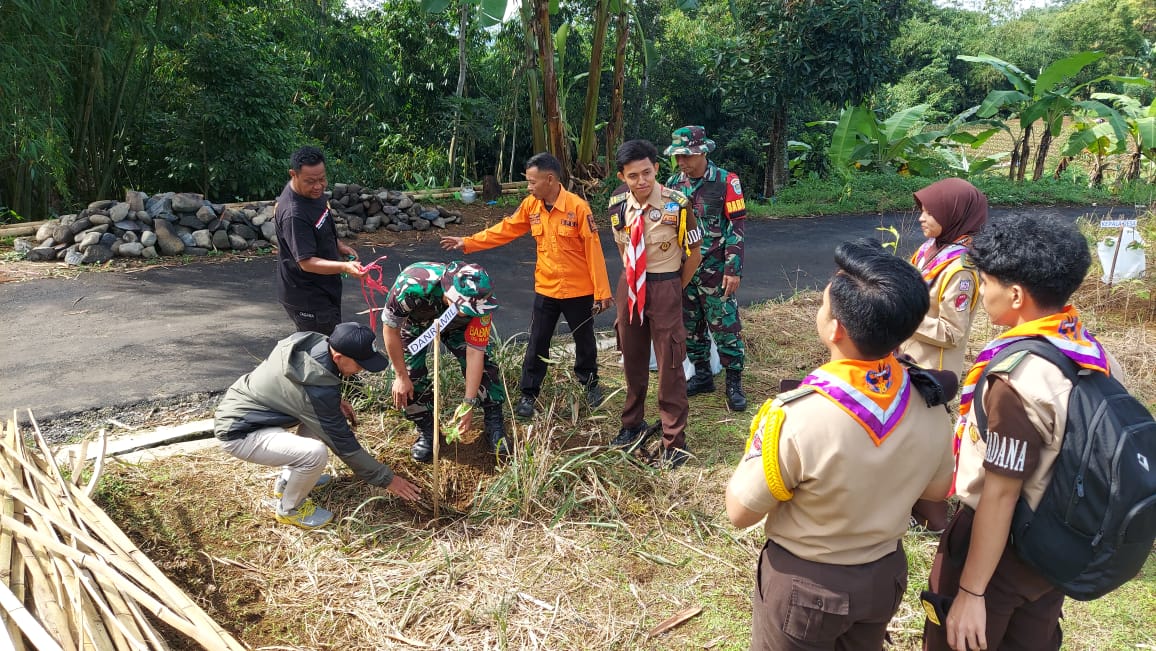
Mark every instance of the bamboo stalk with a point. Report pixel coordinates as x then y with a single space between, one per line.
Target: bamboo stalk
435 492
124 639
94 564
98 467
101 558
52 615
146 626
27 623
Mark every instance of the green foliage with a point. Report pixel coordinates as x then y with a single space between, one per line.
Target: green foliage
862 141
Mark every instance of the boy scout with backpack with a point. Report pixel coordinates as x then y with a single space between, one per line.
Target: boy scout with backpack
1055 476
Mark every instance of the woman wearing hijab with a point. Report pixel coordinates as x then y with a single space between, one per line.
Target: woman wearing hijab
951 212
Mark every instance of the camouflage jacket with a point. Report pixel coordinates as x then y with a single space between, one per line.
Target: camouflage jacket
721 210
417 297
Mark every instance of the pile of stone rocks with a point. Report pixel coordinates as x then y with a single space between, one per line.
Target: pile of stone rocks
187 224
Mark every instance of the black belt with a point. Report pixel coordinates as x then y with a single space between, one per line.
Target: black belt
664 275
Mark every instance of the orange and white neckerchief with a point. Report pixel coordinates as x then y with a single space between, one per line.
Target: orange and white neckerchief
1064 330
875 393
636 269
931 268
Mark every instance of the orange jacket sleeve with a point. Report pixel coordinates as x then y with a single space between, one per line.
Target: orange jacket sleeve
594 257
509 229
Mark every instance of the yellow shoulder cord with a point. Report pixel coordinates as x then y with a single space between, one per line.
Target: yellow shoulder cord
768 424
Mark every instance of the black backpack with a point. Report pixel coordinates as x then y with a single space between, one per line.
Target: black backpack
1096 523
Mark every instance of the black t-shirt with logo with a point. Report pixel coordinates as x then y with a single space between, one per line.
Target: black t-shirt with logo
305 230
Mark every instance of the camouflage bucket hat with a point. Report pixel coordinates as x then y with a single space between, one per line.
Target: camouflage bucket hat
690 141
468 285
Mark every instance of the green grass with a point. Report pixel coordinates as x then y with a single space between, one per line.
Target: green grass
570 546
886 192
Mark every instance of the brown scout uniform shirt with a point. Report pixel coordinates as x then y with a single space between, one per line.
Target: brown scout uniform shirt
660 217
941 339
852 499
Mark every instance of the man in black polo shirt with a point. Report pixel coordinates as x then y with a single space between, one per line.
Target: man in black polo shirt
310 258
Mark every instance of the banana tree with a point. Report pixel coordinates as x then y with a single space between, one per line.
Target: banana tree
1048 98
488 13
861 140
1140 123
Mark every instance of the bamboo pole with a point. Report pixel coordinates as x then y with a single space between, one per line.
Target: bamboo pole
89 581
94 564
27 623
435 493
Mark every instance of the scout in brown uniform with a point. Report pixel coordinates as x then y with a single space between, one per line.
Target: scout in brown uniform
835 465
1028 268
951 212
658 237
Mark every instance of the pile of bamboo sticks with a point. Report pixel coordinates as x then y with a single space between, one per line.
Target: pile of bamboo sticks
69 577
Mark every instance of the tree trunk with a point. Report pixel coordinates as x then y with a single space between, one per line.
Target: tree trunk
533 88
614 128
775 172
587 141
1025 153
555 135
1042 153
459 92
1133 171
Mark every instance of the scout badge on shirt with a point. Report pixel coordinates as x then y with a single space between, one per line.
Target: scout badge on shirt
654 215
961 301
670 213
874 393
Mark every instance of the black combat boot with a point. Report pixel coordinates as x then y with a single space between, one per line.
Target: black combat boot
422 450
736 399
495 430
702 381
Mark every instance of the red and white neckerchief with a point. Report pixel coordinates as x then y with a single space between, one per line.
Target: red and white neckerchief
636 269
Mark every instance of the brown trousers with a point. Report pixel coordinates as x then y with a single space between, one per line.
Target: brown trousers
801 605
664 328
1023 609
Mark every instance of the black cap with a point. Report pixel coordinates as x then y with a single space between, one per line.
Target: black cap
358 343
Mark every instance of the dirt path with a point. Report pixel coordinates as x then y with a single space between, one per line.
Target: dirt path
77 341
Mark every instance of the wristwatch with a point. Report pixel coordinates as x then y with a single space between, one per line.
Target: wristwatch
473 402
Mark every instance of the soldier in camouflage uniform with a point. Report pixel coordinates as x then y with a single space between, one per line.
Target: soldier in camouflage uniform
422 293
710 303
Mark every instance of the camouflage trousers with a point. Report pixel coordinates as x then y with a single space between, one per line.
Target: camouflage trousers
491 392
705 312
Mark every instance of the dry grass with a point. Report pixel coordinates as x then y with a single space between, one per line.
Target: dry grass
572 546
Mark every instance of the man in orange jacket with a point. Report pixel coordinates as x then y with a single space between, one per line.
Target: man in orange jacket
569 278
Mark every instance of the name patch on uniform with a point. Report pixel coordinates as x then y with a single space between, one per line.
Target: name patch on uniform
570 220
668 219
478 332
1005 452
694 235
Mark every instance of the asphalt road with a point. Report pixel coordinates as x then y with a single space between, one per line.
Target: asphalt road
106 339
